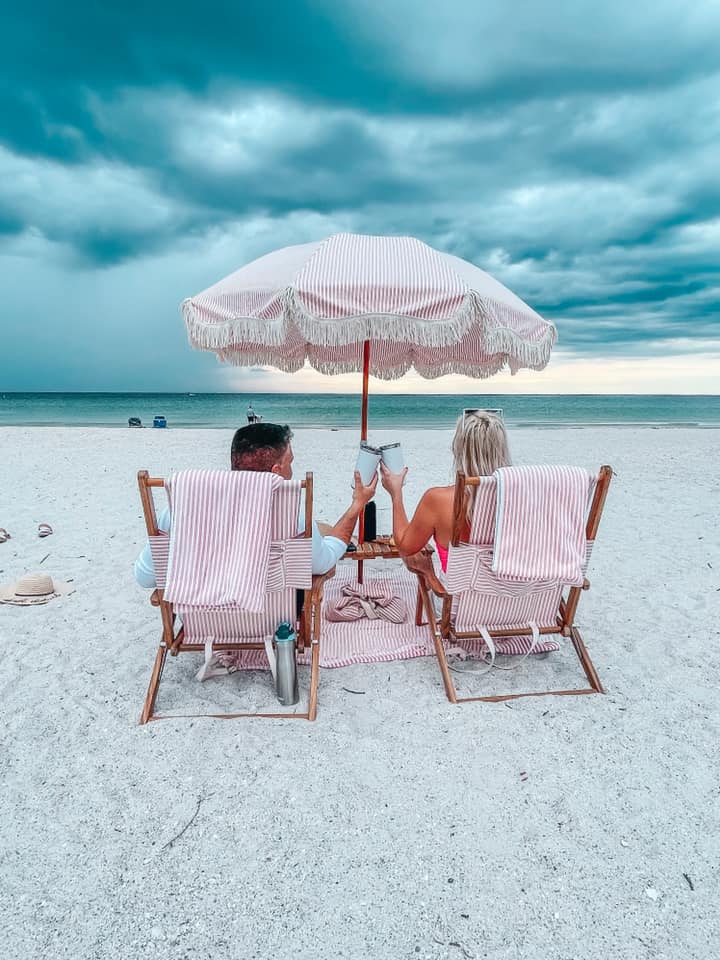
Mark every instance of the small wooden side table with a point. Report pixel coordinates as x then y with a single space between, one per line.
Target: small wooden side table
383 548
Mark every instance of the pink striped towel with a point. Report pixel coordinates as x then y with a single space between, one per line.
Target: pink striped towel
540 523
220 538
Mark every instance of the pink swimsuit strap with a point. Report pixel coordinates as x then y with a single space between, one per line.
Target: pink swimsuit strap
443 554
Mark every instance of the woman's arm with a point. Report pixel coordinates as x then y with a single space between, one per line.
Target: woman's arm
409 535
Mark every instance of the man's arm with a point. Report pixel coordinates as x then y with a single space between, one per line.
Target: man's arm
329 545
362 494
144 567
326 551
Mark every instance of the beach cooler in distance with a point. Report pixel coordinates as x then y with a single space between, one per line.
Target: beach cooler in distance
159 422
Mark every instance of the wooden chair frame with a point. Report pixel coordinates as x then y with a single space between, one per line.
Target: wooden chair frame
444 630
173 639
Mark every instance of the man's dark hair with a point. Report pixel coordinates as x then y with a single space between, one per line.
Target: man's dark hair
259 446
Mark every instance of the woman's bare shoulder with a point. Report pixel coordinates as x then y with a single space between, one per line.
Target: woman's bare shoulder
438 494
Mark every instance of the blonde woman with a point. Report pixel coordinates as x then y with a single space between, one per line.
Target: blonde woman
479 447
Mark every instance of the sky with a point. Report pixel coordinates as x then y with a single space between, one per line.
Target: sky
570 149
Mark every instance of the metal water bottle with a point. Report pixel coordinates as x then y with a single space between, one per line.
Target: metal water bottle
286 682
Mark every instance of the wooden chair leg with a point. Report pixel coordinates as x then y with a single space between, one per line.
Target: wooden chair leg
303 638
419 622
149 705
587 664
314 676
437 640
445 670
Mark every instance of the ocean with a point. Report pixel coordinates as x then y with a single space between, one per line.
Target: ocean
227 410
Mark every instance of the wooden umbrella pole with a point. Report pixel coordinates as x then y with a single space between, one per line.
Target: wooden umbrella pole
366 381
363 436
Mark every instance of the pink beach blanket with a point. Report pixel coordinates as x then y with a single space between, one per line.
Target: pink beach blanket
219 538
540 523
378 641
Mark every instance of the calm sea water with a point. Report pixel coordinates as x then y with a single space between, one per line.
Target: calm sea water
227 410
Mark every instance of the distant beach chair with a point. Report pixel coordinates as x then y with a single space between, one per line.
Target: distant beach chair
493 610
267 564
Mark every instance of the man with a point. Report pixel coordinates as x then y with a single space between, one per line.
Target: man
267 447
251 415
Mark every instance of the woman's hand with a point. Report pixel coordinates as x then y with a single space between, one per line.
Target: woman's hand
393 482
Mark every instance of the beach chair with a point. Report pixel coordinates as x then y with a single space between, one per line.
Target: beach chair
289 570
476 606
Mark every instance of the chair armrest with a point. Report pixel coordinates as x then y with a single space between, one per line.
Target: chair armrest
311 607
318 583
422 566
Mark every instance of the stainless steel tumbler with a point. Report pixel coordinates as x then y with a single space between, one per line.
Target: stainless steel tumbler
286 666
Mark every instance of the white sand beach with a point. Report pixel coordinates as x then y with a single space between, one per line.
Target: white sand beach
397 825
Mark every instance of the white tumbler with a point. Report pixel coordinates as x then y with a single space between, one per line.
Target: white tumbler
367 462
392 456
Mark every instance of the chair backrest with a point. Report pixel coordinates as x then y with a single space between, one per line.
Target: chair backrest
289 568
479 597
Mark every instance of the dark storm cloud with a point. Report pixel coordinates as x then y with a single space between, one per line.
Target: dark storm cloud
340 169
55 54
10 224
570 150
401 57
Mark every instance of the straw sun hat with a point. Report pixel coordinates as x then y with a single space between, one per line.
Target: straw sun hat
33 588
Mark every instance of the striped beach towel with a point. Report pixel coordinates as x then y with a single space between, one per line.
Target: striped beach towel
374 600
220 538
540 523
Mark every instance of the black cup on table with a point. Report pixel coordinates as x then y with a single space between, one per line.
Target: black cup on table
369 522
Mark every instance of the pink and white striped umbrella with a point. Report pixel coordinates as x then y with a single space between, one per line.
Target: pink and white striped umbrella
325 302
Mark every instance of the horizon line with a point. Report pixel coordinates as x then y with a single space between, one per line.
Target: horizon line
325 393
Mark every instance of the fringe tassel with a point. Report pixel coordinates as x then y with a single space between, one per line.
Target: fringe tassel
500 341
489 368
211 335
381 326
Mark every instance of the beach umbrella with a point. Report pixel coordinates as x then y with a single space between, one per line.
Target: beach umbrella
376 305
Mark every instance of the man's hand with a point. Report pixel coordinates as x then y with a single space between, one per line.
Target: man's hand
393 482
363 493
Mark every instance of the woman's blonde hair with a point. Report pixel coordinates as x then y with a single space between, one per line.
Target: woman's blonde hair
479 447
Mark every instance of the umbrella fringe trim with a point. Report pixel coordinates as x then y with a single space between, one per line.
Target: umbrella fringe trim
521 353
479 371
209 335
503 344
492 316
327 332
